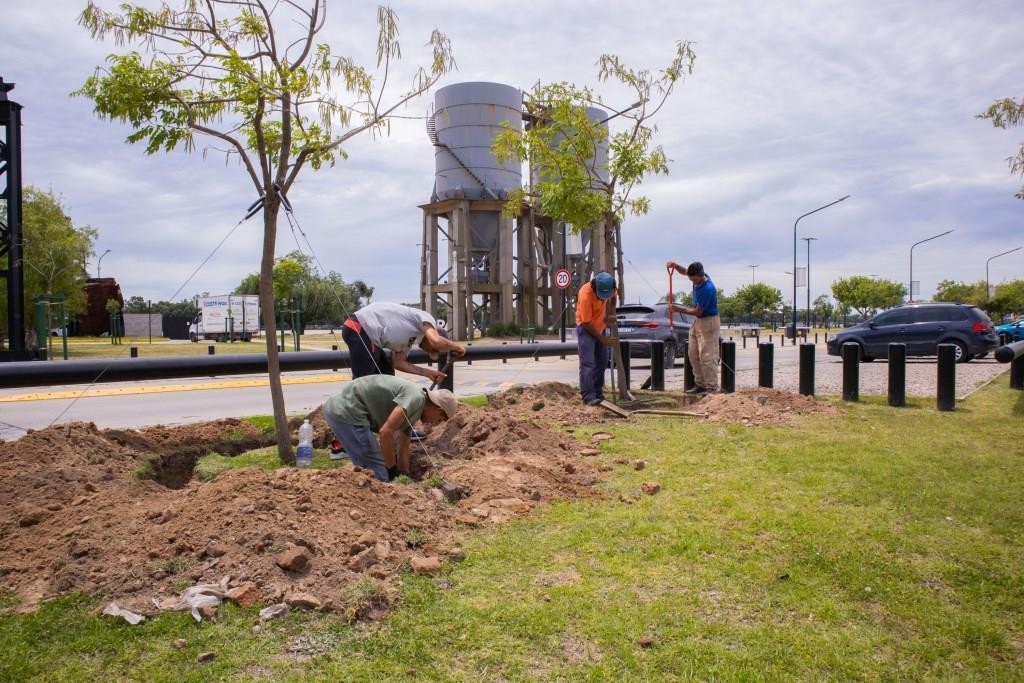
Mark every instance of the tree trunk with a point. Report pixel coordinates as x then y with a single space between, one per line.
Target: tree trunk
284 438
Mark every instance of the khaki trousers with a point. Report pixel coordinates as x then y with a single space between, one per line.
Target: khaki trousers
704 351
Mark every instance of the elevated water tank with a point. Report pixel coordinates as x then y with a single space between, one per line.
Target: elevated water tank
467 116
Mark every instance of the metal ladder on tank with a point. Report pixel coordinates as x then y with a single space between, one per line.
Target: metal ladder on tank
432 134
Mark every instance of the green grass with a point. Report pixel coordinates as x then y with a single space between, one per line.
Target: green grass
211 466
878 544
478 401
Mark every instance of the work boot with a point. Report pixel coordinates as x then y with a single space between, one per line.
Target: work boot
694 390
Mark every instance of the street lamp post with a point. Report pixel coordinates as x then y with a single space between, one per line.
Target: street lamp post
100 261
910 298
808 240
987 285
753 271
794 251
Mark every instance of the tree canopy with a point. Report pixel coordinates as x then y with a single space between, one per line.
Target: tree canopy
866 295
55 254
322 298
1005 113
758 299
252 79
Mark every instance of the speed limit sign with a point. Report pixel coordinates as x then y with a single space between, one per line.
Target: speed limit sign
562 278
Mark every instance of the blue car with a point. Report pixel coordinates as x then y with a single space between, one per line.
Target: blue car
1012 331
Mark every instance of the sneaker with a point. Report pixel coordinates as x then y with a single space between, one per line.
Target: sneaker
594 402
338 450
417 435
694 390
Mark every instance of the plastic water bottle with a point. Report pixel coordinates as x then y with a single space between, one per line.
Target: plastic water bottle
304 454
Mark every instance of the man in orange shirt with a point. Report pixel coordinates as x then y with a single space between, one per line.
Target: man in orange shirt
591 338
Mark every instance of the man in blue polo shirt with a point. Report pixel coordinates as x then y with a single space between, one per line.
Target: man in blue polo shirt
704 332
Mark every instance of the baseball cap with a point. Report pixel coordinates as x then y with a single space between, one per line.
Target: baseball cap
605 285
443 399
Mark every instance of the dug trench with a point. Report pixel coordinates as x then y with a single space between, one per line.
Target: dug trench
118 513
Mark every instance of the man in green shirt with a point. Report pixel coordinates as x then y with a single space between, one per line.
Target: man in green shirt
388 406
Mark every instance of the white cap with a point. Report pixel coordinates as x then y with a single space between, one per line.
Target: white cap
443 399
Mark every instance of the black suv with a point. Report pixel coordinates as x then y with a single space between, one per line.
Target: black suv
922 327
640 325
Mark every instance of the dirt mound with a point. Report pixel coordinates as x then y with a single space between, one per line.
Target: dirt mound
758 406
75 516
553 401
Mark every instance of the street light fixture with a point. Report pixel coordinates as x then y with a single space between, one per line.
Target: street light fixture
794 251
753 270
808 240
987 285
910 298
100 261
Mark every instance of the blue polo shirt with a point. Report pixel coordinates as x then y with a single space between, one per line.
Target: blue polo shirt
706 296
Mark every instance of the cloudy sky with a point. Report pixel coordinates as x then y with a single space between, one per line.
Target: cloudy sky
792 104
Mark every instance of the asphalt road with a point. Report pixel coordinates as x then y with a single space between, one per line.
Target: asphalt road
138 404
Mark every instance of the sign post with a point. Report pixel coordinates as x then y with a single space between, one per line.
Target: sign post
562 280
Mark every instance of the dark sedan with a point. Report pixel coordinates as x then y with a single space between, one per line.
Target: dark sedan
641 325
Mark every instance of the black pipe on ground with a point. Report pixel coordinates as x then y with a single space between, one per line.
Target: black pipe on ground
34 373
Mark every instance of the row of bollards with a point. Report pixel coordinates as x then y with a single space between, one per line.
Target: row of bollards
850 354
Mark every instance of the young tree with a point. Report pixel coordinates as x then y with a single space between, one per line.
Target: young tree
563 147
1003 114
867 295
251 76
55 254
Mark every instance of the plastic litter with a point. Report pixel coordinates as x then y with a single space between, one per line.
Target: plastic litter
273 611
115 610
200 595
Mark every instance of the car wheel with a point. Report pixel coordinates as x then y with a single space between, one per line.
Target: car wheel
960 354
670 355
193 337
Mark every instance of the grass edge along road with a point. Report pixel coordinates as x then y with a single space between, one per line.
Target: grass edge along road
877 544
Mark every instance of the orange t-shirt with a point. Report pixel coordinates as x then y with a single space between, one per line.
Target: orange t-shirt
590 309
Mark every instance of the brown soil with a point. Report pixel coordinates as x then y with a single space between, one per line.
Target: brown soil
759 406
76 516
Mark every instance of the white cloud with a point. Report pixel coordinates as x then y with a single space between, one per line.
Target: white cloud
791 106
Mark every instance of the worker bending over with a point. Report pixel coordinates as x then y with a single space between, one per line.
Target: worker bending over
592 338
387 406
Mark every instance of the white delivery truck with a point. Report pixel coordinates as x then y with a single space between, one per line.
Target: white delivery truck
231 316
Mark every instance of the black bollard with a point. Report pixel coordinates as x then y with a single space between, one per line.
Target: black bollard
688 380
210 350
729 367
815 337
1017 373
468 361
134 352
851 371
807 369
504 361
897 375
624 350
334 347
945 395
744 341
766 365
658 366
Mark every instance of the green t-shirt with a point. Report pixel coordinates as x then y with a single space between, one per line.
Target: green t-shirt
368 401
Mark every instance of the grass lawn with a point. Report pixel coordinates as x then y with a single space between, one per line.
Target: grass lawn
880 544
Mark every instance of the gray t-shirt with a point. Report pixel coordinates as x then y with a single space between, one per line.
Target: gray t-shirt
393 326
368 401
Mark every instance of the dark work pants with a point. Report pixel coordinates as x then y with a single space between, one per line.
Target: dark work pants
593 362
365 359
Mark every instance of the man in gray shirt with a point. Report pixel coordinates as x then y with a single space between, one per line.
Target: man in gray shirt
387 406
397 328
